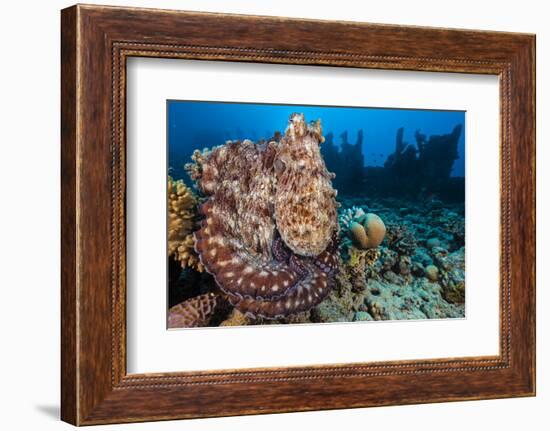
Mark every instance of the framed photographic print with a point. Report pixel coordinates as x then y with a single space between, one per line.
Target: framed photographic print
327 214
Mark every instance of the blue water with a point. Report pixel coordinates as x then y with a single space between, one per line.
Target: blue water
193 125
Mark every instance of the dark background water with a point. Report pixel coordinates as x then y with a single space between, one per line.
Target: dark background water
196 125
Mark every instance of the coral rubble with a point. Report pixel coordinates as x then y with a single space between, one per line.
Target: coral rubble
426 166
415 273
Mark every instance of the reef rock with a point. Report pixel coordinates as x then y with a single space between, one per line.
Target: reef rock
432 272
453 277
433 242
418 300
270 228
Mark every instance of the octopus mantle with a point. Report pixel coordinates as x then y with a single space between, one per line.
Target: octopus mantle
269 234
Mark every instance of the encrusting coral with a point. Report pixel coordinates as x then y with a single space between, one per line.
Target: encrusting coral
270 229
360 266
194 312
401 239
182 216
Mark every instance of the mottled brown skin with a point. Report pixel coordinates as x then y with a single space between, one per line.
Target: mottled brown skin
269 230
305 205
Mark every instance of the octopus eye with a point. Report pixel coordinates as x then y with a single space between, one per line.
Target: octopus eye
279 166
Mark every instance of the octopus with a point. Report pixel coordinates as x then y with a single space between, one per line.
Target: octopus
269 234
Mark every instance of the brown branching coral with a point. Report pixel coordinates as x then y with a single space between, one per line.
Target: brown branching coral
194 312
269 235
352 281
182 214
349 215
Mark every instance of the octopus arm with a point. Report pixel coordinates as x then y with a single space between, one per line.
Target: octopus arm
264 288
237 272
327 261
304 295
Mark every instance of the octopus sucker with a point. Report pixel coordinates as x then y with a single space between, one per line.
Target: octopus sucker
269 229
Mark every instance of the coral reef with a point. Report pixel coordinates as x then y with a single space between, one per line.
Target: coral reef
412 274
360 266
432 272
417 272
265 241
192 313
182 217
269 234
364 232
452 274
456 228
416 300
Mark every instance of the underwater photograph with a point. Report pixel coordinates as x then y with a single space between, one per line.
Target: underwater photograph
302 214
